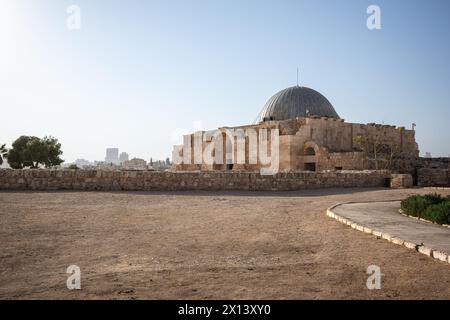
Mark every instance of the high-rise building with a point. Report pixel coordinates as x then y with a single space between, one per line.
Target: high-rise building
112 155
123 157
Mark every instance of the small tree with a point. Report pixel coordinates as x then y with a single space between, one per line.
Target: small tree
29 151
380 152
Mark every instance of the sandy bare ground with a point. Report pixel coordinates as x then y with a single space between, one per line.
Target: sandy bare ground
202 245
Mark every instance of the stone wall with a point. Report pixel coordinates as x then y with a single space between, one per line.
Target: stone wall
411 165
400 181
162 181
432 177
425 171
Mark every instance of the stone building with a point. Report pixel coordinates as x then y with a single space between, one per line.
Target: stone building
134 164
309 135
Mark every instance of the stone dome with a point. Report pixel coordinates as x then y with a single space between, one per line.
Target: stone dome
296 102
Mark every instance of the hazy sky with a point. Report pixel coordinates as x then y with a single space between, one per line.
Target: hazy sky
138 73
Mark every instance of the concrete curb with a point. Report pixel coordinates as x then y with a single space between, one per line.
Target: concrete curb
419 247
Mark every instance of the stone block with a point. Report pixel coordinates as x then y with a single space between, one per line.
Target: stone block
399 181
425 250
386 236
440 256
396 240
410 245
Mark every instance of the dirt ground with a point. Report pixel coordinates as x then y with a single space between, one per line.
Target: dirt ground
203 245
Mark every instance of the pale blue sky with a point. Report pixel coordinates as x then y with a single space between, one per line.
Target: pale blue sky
138 72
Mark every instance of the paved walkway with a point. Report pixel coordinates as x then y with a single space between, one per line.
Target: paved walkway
384 220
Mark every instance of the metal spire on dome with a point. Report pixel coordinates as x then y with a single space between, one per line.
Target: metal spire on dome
297 76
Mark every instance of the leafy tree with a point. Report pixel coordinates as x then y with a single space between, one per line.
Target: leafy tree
3 153
53 152
29 151
16 155
380 151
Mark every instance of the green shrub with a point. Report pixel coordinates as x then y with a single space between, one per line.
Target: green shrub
439 213
412 205
417 205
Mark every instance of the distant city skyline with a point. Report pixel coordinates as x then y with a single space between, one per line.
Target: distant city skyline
112 155
139 74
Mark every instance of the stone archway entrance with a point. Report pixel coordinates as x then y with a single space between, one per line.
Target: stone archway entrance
309 155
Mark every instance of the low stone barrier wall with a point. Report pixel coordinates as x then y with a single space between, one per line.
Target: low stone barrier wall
43 179
399 181
431 177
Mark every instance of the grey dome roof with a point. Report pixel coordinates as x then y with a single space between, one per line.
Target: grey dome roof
296 102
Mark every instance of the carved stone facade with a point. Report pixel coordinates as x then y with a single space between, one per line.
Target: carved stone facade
305 143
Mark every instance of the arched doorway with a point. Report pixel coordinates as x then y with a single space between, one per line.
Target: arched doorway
309 155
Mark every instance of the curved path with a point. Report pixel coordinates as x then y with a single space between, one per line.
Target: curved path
383 220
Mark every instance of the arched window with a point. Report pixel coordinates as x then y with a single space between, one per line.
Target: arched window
310 152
